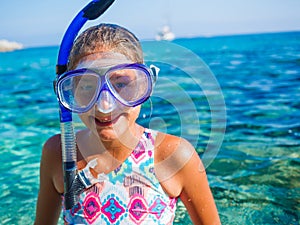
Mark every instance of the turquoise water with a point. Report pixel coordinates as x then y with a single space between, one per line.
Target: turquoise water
255 177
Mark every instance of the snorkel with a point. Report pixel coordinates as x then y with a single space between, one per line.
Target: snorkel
73 184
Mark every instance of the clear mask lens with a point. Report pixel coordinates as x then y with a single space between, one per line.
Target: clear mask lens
128 85
79 90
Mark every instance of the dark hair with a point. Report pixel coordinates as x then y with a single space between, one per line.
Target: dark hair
103 38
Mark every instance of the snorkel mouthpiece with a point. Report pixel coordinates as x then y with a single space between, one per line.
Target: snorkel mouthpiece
106 103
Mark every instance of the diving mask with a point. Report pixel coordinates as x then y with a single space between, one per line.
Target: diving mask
130 84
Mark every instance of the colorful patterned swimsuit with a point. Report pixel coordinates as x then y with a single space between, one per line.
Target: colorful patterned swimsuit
131 194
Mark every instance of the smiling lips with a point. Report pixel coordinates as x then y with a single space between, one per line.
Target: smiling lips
107 121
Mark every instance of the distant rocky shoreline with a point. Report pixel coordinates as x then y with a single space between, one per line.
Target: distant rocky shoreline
7 46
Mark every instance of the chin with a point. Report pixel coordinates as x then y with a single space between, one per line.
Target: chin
114 130
107 134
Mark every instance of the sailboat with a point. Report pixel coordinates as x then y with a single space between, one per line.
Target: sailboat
165 34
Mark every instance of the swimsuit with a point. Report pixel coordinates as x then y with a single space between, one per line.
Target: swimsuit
131 194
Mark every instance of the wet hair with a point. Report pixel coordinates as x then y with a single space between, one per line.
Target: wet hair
103 38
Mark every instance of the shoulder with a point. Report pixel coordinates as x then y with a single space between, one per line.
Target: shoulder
53 142
52 147
51 162
172 156
169 146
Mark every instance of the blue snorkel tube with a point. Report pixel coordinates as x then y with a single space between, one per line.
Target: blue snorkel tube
73 186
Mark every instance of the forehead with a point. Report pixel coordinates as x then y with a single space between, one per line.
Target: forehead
107 59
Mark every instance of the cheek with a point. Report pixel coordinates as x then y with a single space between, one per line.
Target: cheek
84 117
128 121
134 113
131 115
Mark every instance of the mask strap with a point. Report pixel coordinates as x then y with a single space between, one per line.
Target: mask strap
155 70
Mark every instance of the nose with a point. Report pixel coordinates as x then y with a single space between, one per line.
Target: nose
106 103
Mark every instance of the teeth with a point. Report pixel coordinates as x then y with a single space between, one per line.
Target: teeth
104 120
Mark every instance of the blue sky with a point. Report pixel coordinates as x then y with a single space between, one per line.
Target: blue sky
42 23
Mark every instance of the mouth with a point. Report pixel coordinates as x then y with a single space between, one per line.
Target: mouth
106 121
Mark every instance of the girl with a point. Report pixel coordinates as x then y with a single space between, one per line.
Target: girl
132 175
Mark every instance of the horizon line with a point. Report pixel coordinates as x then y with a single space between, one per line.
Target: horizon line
181 37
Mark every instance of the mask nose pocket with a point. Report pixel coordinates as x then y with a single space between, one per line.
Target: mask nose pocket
106 102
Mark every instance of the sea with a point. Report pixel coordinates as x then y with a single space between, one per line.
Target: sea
235 98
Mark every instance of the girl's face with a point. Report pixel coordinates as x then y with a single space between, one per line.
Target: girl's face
113 125
117 122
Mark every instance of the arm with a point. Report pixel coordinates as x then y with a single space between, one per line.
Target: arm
181 173
196 194
49 199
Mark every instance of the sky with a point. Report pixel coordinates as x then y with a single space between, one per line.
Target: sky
43 23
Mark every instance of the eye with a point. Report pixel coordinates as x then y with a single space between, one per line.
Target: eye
120 81
87 87
120 85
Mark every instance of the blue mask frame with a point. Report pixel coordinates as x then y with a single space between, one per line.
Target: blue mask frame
69 153
104 84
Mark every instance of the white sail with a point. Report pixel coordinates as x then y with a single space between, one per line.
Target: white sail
165 34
